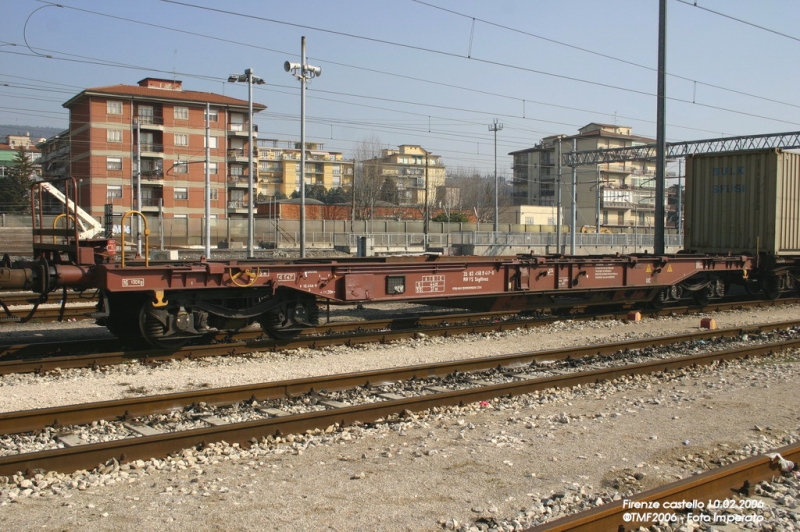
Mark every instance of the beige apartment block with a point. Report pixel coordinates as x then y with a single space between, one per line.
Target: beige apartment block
613 195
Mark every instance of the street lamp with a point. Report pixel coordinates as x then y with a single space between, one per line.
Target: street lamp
250 78
303 72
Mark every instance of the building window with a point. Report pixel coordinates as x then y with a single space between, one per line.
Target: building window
180 216
181 113
212 168
114 191
213 115
212 142
181 167
214 194
181 139
113 163
114 135
181 193
113 107
237 170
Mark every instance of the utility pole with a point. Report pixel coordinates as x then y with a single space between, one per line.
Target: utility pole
661 139
558 200
208 183
495 127
138 188
573 200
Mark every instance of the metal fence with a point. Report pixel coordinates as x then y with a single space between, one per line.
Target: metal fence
383 235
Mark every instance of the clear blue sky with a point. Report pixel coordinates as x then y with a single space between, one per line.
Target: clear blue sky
428 72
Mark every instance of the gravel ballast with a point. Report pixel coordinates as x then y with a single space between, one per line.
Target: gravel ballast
483 466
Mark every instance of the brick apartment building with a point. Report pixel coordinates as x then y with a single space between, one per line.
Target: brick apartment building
164 126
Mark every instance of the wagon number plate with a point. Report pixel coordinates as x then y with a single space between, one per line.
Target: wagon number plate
136 281
286 276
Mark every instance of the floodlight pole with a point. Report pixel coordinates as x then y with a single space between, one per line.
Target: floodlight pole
250 78
303 72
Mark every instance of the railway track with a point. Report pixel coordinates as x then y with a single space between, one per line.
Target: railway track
80 307
725 485
47 356
296 406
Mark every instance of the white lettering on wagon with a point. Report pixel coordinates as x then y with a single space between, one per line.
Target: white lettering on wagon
430 283
286 276
605 272
135 281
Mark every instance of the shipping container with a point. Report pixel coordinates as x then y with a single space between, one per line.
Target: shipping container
743 202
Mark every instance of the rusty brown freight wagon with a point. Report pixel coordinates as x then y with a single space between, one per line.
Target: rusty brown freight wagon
743 202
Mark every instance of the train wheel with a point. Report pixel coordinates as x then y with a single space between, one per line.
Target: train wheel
155 323
123 316
661 299
772 286
287 320
702 296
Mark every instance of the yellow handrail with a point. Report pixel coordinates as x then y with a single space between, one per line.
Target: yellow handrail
146 237
63 215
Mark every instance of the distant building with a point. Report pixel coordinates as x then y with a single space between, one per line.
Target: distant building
615 195
162 125
279 167
8 151
55 155
414 170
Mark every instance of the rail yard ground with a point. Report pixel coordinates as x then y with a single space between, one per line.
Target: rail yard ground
479 466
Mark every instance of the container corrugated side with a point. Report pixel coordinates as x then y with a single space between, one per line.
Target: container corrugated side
743 202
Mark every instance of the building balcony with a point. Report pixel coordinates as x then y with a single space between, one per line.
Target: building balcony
150 122
238 155
151 204
152 150
237 207
241 130
239 181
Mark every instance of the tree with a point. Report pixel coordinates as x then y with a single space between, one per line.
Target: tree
388 191
317 192
15 188
335 196
453 217
367 178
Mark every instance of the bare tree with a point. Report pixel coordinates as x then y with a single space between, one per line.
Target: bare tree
476 194
367 178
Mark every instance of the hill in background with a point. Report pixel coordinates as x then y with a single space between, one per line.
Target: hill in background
36 132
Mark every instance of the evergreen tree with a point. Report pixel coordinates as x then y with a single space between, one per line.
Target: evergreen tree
453 217
336 195
317 192
16 186
388 191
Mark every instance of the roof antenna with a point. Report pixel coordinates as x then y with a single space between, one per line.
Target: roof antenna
175 65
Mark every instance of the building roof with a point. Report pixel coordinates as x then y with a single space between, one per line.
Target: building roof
148 93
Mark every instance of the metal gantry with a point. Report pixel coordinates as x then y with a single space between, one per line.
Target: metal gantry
676 150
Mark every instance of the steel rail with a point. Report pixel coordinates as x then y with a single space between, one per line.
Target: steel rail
718 484
88 456
38 359
34 357
50 314
13 299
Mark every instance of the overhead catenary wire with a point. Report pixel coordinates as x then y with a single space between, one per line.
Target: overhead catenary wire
115 64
